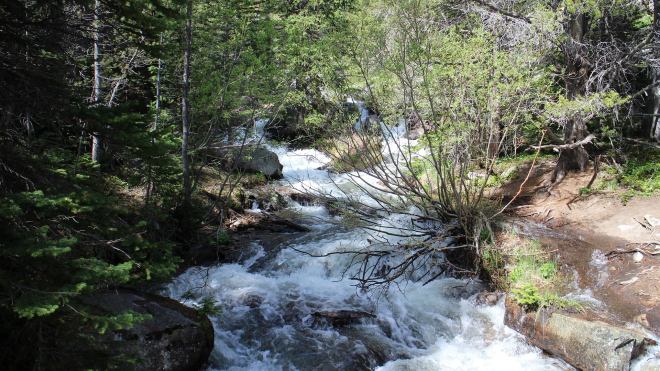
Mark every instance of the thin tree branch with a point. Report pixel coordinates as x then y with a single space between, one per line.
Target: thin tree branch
553 137
636 95
556 148
527 178
502 11
654 145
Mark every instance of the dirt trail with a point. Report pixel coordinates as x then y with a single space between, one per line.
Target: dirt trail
596 236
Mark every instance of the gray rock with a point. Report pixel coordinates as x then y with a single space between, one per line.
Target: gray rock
251 300
587 345
176 338
487 299
414 134
251 159
343 317
267 199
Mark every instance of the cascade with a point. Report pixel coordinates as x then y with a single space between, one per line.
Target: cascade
269 300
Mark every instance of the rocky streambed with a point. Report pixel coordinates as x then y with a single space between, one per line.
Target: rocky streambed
288 304
275 287
618 326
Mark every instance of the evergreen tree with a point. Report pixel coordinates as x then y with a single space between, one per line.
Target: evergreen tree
65 233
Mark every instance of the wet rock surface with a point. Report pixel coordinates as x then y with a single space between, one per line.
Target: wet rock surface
343 317
487 299
203 255
305 199
176 338
587 345
264 199
251 300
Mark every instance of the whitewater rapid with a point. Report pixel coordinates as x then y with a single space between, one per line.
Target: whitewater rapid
268 298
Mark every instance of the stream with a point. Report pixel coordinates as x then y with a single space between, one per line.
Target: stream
269 297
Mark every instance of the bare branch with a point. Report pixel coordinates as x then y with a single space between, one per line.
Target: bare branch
555 139
47 292
556 148
531 168
654 145
637 48
639 93
502 11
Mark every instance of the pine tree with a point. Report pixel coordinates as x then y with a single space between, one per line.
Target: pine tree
65 233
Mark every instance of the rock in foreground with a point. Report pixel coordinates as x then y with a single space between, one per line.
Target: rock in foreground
587 345
177 338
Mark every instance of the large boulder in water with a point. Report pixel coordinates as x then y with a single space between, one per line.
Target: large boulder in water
587 345
176 338
251 159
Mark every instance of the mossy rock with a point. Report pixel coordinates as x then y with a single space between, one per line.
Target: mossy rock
176 338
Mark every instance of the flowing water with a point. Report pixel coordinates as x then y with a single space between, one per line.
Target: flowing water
269 298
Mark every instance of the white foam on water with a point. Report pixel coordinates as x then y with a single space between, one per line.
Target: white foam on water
598 268
649 360
483 343
269 301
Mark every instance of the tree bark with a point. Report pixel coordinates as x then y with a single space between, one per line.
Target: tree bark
184 108
653 101
575 78
96 92
494 134
158 88
149 187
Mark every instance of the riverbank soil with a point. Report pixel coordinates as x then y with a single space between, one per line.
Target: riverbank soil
611 247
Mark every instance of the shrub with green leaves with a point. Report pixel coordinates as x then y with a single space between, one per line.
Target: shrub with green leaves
641 174
528 296
523 266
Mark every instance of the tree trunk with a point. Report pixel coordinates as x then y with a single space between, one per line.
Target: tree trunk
652 124
575 78
158 88
96 93
653 101
184 109
149 187
494 134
